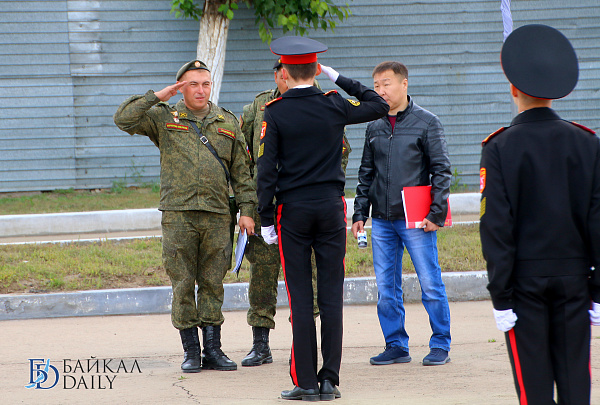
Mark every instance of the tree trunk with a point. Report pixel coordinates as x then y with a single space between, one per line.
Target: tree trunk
212 40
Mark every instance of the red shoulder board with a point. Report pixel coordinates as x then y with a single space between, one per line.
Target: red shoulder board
493 134
330 92
591 131
272 101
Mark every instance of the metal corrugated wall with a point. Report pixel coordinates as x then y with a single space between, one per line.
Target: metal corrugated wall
65 66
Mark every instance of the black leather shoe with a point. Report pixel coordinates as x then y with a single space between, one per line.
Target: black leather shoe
328 391
298 393
260 352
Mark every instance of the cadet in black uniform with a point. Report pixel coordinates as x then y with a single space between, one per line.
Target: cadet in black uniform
540 223
300 164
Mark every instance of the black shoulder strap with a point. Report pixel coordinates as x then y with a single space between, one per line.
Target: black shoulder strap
212 150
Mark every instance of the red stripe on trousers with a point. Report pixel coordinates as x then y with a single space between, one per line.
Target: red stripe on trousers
293 365
518 371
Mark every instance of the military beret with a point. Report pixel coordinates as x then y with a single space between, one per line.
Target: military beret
295 50
191 65
540 61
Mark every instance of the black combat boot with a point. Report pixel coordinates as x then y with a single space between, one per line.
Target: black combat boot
213 357
260 352
191 350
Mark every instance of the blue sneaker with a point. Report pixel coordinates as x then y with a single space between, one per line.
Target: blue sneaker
436 357
391 354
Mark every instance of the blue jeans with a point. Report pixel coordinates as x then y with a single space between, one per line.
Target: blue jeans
389 239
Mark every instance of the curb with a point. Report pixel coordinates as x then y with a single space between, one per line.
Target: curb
460 286
142 219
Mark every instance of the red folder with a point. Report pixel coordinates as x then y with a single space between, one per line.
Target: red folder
417 203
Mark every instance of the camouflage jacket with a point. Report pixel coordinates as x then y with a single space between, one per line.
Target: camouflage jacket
191 178
252 119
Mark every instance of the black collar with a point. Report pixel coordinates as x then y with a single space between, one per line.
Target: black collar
302 92
535 114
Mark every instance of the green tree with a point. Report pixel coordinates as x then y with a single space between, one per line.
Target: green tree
214 16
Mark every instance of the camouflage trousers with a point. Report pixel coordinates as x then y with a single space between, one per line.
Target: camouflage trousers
196 250
265 265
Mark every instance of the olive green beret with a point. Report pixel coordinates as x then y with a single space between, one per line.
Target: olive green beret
191 65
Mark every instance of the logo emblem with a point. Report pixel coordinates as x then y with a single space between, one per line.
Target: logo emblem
197 64
42 375
353 102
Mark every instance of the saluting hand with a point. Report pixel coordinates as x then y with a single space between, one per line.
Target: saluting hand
169 91
330 72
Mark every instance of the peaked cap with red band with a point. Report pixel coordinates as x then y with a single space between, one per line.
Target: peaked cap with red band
540 61
296 50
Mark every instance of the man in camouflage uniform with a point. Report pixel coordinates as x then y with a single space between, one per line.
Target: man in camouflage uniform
264 259
194 200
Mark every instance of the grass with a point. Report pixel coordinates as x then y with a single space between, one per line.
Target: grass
42 268
137 263
116 198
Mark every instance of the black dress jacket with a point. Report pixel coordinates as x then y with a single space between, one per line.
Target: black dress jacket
300 153
540 202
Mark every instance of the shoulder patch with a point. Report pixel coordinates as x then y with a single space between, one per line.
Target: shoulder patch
226 132
591 131
493 134
272 101
221 117
330 92
177 126
353 102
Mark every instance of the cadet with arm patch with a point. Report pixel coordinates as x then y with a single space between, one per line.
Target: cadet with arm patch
194 200
540 211
300 164
264 258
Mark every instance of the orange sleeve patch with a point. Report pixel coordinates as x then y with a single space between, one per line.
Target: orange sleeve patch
263 130
493 134
482 178
330 92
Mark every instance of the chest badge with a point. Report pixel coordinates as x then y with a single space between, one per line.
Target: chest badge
175 116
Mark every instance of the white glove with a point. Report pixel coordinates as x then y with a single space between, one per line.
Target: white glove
268 234
330 72
595 314
505 320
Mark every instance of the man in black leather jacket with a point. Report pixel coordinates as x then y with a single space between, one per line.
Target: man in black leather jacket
406 148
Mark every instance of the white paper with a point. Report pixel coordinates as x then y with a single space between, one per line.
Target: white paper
240 248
